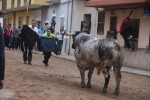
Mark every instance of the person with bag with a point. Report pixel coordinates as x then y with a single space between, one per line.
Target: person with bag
7 34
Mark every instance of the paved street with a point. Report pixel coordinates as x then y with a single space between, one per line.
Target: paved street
61 81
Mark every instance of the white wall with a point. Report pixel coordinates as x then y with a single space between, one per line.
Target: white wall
37 15
137 14
78 15
60 9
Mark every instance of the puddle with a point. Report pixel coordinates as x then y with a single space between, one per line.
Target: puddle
5 94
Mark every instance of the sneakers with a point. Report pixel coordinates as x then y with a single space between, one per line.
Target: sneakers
130 37
25 62
29 63
46 65
130 49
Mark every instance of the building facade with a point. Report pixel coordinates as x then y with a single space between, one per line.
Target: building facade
109 17
22 11
82 14
59 14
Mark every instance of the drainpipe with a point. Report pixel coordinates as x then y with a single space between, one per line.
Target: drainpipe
66 42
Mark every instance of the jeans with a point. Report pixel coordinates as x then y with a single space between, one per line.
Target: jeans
13 42
125 36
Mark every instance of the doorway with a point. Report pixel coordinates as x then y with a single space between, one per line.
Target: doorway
113 23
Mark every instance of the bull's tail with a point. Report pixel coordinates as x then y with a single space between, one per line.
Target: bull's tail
119 60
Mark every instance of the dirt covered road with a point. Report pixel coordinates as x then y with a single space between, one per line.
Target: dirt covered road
61 81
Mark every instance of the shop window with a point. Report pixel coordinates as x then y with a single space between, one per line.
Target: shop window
100 24
134 23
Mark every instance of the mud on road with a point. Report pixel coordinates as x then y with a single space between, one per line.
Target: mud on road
61 81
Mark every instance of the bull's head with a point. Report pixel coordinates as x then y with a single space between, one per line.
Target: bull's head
73 37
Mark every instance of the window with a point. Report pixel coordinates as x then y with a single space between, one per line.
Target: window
20 22
9 20
62 21
12 3
27 20
100 24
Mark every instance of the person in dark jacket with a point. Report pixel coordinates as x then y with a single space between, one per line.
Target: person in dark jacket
2 58
124 29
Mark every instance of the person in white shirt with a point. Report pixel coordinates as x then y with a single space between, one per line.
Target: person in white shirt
29 58
60 34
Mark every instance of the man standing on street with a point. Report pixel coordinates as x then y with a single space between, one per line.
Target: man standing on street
28 37
2 59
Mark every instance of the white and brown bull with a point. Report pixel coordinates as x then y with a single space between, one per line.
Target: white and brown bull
91 53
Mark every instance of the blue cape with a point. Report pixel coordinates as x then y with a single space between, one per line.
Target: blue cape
49 44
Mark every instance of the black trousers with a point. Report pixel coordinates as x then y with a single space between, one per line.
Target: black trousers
125 36
39 47
60 43
27 53
47 55
7 41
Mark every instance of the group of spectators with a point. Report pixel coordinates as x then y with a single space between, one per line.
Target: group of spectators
12 36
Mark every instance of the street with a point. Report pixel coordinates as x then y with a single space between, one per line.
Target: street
61 81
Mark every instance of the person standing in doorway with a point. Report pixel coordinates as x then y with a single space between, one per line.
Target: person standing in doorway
124 30
2 59
60 34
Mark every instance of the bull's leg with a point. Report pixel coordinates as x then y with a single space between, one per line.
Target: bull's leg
82 74
89 77
107 77
118 79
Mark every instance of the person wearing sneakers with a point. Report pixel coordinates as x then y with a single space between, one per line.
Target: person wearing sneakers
124 29
47 54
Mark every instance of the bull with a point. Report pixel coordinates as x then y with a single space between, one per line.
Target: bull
91 53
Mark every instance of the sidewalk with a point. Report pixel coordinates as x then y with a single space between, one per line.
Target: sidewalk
124 69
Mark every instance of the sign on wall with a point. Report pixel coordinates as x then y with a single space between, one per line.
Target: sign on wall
146 12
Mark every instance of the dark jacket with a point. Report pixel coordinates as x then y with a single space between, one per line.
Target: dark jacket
29 36
2 55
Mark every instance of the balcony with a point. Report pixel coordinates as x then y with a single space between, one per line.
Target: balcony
39 2
18 5
53 1
116 3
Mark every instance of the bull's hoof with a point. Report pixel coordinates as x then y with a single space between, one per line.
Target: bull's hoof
82 86
116 93
88 85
